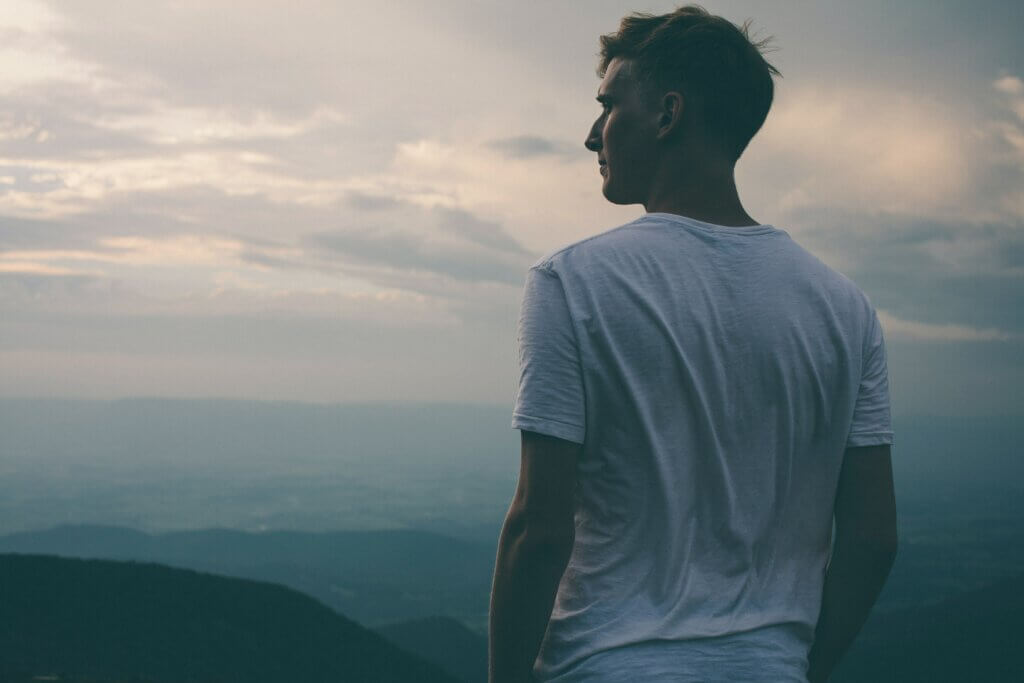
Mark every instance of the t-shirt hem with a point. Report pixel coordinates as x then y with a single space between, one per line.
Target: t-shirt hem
786 639
548 427
869 439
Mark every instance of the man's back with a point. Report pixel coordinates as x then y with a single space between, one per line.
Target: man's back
715 377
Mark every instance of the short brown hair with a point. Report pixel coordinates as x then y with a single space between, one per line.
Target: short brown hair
711 61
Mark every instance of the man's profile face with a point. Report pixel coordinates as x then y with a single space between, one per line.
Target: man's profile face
623 136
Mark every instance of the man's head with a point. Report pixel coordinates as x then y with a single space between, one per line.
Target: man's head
686 88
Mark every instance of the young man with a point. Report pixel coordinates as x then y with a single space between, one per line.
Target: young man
700 399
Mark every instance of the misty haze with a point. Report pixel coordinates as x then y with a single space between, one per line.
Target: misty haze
261 268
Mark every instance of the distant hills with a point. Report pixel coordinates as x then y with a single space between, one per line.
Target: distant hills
104 621
384 579
444 641
374 577
100 621
975 637
432 483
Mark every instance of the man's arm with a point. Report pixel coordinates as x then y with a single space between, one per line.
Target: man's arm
533 551
862 554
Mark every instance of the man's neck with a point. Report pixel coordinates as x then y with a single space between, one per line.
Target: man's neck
711 198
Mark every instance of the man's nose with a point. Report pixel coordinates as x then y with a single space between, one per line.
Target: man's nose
593 141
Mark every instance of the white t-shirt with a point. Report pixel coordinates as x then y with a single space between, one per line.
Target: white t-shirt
714 375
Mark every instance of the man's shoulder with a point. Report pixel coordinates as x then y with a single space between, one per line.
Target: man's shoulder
566 255
833 280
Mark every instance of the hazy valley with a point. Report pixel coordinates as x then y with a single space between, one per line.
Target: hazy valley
389 513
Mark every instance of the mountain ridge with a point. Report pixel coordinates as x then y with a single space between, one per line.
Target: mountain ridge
110 620
374 577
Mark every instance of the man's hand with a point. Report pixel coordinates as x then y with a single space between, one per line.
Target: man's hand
533 551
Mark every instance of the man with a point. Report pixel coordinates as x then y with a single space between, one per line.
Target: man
700 399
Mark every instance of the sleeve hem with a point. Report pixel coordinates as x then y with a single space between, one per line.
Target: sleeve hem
869 439
549 427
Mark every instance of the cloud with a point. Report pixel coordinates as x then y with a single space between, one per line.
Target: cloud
456 221
78 185
63 121
139 251
28 44
162 108
930 271
409 252
58 299
288 59
1011 85
337 179
531 146
545 204
487 234
908 329
168 125
35 268
904 150
369 202
197 239
849 145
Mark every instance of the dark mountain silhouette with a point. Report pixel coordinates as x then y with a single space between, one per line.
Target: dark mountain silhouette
975 636
374 577
444 641
100 620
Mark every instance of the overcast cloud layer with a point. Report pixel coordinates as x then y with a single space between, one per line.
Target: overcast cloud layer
338 202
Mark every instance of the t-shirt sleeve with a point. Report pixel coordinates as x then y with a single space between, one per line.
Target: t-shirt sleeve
872 423
550 397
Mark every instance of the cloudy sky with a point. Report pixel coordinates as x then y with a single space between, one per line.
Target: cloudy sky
337 201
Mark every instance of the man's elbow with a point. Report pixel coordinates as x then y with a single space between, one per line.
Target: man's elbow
542 534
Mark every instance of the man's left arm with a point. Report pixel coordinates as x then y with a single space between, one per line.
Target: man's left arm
533 551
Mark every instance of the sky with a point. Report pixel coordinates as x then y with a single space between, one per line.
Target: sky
334 202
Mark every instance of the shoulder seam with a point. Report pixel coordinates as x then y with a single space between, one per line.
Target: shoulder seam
547 259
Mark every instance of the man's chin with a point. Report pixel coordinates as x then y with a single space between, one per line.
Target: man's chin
616 197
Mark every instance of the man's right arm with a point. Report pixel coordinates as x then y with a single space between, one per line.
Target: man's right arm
862 554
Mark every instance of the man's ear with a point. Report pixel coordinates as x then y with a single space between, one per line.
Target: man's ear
670 115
